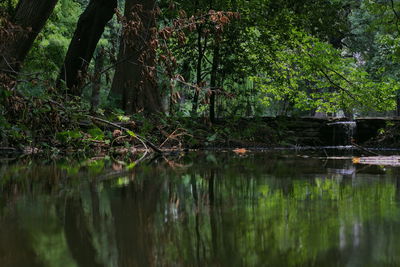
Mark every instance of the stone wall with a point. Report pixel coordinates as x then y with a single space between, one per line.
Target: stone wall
330 131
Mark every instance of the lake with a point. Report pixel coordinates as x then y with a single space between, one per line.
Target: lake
200 209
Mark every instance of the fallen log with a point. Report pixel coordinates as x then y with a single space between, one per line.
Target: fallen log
379 160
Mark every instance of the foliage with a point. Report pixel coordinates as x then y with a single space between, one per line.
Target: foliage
256 58
47 54
311 74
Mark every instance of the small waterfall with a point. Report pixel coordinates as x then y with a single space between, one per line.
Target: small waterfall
342 132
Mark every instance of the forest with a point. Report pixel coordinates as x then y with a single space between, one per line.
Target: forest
199 133
84 75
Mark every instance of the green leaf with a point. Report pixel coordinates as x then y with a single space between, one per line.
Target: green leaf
96 134
68 136
131 133
212 138
123 118
131 166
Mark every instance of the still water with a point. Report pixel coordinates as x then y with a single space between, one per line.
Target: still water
202 209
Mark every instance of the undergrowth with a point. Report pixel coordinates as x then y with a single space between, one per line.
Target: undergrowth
32 124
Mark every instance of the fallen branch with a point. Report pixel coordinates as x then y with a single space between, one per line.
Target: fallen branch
365 150
119 137
174 136
7 149
143 140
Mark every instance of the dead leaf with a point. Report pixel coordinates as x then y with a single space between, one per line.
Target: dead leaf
116 133
240 151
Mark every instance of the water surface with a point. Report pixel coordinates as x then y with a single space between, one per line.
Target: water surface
203 209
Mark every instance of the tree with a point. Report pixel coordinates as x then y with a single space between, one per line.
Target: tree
134 84
375 39
23 27
88 31
213 80
96 83
195 48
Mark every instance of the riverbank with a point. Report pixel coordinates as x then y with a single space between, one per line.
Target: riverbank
123 135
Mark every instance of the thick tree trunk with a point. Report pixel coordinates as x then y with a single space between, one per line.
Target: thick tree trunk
88 31
134 84
213 81
28 20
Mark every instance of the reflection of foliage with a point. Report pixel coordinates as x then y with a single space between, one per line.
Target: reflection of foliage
223 210
324 205
283 228
45 236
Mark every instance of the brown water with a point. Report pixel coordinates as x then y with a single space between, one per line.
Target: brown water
200 210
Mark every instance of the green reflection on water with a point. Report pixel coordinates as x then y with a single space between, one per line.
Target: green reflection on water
220 210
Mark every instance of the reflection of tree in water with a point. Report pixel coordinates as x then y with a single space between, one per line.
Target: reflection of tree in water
15 249
245 212
64 222
133 210
78 236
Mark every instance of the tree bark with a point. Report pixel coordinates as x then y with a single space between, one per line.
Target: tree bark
134 84
27 21
98 66
213 80
88 31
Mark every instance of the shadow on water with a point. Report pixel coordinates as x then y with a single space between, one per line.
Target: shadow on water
199 210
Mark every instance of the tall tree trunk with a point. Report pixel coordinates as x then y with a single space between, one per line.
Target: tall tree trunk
27 21
213 80
88 31
98 66
134 84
